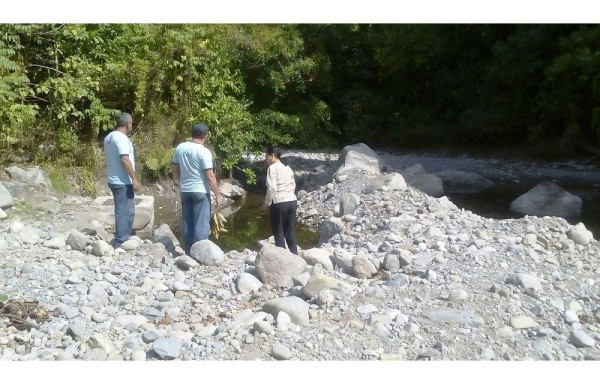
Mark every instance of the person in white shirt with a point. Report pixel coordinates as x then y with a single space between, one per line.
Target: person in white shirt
120 176
192 168
281 200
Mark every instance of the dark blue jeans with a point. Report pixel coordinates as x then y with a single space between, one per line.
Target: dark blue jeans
283 224
123 196
195 218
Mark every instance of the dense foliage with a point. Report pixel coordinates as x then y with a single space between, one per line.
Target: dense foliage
535 87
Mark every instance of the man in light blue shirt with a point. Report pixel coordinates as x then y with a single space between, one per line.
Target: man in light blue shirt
192 168
120 175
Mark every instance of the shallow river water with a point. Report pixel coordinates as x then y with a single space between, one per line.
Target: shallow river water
246 226
249 224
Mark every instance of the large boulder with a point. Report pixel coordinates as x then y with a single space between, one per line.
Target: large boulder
419 178
38 177
103 210
6 199
33 176
547 199
277 266
361 149
231 190
358 156
357 160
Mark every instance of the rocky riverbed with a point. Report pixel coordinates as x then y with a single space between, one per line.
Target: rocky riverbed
398 275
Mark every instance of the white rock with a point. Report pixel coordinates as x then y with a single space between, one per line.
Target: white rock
523 322
581 340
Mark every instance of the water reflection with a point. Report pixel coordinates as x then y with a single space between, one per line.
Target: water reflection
495 203
246 223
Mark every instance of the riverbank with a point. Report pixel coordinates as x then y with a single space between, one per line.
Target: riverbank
398 275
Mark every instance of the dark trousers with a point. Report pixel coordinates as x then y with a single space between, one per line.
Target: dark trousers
195 218
283 224
124 198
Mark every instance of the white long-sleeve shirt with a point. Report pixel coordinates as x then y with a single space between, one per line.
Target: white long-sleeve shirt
281 184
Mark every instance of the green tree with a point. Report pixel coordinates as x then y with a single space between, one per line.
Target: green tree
16 114
569 99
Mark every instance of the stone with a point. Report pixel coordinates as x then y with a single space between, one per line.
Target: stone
6 199
130 245
343 259
165 235
263 326
77 240
419 178
523 322
101 248
167 348
348 203
581 340
124 320
579 234
547 199
455 316
314 256
294 306
366 309
571 317
525 280
206 252
99 340
247 283
56 243
363 267
331 227
281 352
185 263
277 266
317 283
391 263
230 190
352 160
391 181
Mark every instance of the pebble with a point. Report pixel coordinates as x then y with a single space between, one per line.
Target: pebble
571 317
366 309
523 322
281 352
580 339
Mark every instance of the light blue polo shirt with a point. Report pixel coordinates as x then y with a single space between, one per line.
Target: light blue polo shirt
116 144
193 159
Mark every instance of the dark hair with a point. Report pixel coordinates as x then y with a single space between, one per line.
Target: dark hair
122 119
271 150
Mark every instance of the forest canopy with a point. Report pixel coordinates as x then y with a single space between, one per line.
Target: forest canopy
535 87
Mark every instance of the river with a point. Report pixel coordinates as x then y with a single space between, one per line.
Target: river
511 179
246 226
